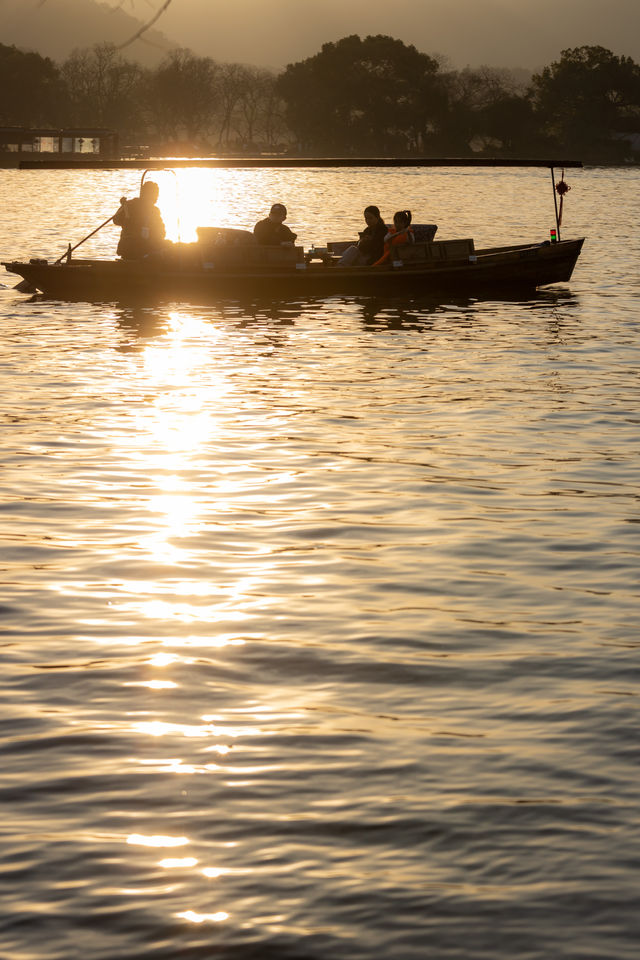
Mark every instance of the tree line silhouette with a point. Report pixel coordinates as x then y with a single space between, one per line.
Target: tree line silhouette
375 96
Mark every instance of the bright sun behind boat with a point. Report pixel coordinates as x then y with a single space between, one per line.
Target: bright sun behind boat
188 199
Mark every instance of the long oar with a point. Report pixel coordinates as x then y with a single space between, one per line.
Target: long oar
25 287
70 249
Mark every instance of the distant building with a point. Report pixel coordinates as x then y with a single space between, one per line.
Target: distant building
21 143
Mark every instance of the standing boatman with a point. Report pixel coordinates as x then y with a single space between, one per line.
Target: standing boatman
143 230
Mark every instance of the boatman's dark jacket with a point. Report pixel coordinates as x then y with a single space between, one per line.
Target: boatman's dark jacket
142 229
270 233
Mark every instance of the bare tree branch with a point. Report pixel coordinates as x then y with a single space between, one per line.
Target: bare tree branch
143 29
145 26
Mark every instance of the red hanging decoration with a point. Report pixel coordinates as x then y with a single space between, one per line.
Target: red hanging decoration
561 188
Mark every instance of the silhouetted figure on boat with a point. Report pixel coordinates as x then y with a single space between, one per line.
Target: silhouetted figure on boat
271 231
143 231
370 246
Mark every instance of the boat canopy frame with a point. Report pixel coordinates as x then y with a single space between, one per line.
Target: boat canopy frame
149 166
292 162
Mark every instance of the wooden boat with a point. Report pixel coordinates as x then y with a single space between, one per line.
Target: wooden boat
431 269
228 263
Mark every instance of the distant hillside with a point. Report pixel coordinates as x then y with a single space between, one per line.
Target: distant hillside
499 33
57 27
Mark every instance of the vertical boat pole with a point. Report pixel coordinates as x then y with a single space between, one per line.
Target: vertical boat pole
555 202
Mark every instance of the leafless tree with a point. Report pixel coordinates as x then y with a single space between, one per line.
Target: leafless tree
259 115
182 96
103 89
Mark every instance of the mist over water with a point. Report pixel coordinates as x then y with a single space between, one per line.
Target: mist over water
319 620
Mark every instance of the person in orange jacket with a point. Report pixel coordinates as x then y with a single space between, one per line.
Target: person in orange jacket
400 232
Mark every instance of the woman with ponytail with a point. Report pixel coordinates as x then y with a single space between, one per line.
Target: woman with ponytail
401 232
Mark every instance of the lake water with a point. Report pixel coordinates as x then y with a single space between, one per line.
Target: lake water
319 622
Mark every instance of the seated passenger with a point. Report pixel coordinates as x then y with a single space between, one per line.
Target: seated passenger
401 232
142 225
271 231
370 246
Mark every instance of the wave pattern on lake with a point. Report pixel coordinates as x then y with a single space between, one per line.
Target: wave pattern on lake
319 620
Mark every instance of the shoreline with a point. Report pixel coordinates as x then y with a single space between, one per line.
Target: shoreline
155 163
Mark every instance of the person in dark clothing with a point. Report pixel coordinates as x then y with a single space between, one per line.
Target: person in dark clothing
370 246
271 231
143 229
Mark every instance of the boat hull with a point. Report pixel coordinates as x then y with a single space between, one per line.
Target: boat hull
491 270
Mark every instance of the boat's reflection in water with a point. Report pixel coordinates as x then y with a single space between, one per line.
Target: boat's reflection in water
423 313
271 320
142 322
272 317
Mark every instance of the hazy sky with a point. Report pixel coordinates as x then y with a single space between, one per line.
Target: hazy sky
525 33
272 33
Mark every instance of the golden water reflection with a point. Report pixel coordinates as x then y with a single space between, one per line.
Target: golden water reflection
191 417
159 728
156 840
165 659
194 917
175 442
151 684
174 863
